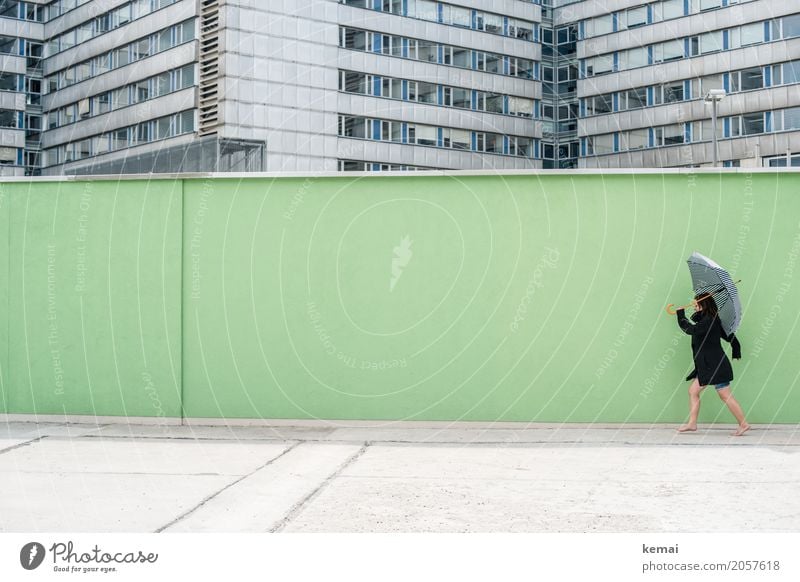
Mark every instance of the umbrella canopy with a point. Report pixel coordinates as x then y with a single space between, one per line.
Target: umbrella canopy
709 277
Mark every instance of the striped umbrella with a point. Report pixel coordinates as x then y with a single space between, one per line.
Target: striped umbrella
709 278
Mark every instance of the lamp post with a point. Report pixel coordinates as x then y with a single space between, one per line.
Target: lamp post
713 97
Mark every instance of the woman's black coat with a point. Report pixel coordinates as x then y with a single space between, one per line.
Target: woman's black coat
711 365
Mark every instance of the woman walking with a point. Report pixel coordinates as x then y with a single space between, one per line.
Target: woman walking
711 365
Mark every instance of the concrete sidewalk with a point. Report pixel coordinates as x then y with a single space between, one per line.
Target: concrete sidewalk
401 477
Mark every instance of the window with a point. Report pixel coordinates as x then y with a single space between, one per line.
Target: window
163 128
119 138
8 118
520 29
461 58
351 82
8 81
458 139
101 64
460 98
67 115
422 134
102 103
703 130
791 72
427 51
184 77
520 146
119 98
600 144
161 84
599 104
746 35
520 106
632 58
521 68
636 16
141 91
391 131
164 39
668 51
141 49
121 16
391 45
599 25
706 43
393 6
121 57
633 99
8 45
185 122
458 16
489 62
83 149
100 144
669 135
426 92
787 119
791 26
634 139
710 82
747 79
9 9
699 5
424 9
392 88
490 22
599 65
567 34
668 93
184 32
8 156
352 126
491 143
752 123
747 124
668 9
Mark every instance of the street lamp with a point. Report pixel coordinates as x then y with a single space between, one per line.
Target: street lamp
714 96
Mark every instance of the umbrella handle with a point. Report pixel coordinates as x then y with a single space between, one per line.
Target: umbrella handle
692 304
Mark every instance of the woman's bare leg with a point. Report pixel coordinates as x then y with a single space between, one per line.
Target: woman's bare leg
694 406
736 409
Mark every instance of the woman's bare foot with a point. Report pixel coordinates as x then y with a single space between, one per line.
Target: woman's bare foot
689 428
743 428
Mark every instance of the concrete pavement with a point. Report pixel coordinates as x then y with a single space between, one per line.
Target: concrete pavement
399 477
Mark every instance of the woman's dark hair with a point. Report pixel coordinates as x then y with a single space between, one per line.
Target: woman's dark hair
708 304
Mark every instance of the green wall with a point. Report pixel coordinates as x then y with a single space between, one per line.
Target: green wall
94 298
518 297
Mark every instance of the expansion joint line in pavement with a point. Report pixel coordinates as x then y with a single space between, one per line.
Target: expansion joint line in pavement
299 506
25 444
228 486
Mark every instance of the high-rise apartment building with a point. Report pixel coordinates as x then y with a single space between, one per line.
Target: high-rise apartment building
108 86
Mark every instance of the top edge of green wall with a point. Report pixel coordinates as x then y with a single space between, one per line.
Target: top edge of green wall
383 175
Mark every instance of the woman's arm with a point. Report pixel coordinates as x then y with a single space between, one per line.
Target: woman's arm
698 329
736 347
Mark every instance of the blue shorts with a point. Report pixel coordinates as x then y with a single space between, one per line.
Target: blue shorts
721 386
